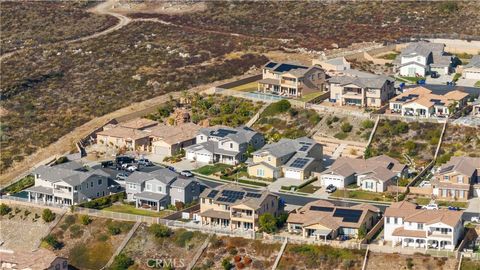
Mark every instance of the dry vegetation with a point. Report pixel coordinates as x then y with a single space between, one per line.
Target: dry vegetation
28 23
239 253
323 24
88 246
50 91
417 261
402 141
459 141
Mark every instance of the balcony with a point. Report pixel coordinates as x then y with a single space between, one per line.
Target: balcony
242 215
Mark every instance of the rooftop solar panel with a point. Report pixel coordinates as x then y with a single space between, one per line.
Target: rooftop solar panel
223 132
271 65
288 67
212 194
299 163
321 208
348 215
254 195
303 148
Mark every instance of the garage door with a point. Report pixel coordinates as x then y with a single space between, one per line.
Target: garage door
331 181
293 174
161 150
203 158
472 75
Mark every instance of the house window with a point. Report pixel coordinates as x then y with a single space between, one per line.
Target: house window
99 182
231 145
203 200
260 172
91 184
149 187
75 188
159 189
395 221
103 193
446 177
460 179
98 194
419 226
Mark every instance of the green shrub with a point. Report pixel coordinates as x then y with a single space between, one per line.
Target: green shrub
52 242
48 215
182 237
121 262
368 124
85 220
114 229
226 264
335 119
4 209
76 231
341 135
346 127
159 230
103 237
60 160
267 223
277 108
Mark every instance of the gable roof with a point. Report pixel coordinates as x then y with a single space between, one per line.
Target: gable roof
463 165
422 48
286 146
220 193
138 123
240 135
410 213
163 175
373 81
174 134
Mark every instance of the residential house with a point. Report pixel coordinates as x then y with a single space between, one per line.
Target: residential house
334 65
223 144
158 189
374 174
170 140
68 184
291 80
421 58
421 102
40 259
361 90
119 137
471 71
476 108
457 179
408 226
283 159
323 220
231 206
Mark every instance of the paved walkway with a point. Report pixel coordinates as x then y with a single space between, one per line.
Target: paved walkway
339 151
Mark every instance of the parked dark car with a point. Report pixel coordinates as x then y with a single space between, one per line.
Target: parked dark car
421 82
106 164
124 159
434 74
171 168
330 188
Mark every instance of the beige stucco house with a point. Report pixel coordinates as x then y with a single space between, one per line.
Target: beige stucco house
230 206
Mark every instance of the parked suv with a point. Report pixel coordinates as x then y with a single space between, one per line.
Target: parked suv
124 159
122 176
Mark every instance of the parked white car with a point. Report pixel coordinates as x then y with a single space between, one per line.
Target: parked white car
475 219
132 168
431 206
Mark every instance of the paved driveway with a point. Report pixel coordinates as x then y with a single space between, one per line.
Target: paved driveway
277 184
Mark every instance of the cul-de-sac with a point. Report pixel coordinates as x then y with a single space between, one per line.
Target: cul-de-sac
201 135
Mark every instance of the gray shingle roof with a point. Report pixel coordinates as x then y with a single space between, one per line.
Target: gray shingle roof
163 175
365 82
182 182
150 196
474 62
422 48
53 174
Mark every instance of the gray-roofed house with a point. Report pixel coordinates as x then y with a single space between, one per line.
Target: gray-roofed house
421 58
231 206
291 80
363 90
471 71
158 189
282 159
374 174
68 183
334 65
223 144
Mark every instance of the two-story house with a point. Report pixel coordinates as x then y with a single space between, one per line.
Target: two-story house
223 144
361 90
456 179
322 220
158 189
374 174
291 80
408 226
421 58
68 183
278 159
231 206
421 102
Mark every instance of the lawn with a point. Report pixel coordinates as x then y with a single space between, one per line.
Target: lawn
468 264
308 189
309 97
20 185
130 209
211 169
364 195
425 201
477 84
412 79
248 87
389 56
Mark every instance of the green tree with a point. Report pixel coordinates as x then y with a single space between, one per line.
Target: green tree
121 262
362 231
52 241
368 124
48 215
114 229
159 230
346 127
268 223
250 150
226 264
86 220
4 209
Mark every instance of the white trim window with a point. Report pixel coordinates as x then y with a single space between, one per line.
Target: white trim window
148 187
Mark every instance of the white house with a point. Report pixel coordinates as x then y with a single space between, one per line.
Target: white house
421 58
408 226
223 144
472 70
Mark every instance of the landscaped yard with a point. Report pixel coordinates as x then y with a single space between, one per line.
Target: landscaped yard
308 97
389 56
211 169
310 188
87 245
320 257
425 201
364 195
20 185
346 127
459 141
416 261
238 253
469 264
281 120
248 87
416 141
131 209
477 84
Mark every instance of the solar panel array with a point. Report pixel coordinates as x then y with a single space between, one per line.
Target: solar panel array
212 194
288 67
271 65
321 208
253 195
348 215
446 169
437 102
223 132
303 148
299 163
410 96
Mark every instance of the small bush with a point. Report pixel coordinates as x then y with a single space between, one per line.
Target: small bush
247 260
52 241
368 124
237 258
346 127
103 237
341 135
4 209
159 230
48 215
76 231
86 220
114 229
226 264
183 237
122 262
